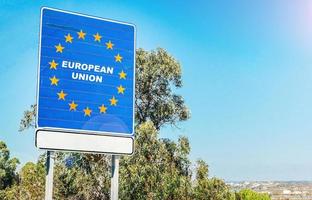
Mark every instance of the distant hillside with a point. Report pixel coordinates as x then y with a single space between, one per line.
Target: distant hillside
278 190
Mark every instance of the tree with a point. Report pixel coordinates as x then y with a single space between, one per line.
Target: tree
82 176
159 169
157 73
28 120
248 194
30 186
209 189
8 175
156 170
32 181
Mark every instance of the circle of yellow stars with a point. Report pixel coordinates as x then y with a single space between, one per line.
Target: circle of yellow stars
59 48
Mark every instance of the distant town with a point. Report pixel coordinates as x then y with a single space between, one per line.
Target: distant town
290 190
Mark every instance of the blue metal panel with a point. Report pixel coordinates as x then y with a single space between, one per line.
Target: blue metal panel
85 62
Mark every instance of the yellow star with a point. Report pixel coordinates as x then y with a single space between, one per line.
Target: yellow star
97 37
87 112
113 101
121 89
68 38
59 48
122 75
53 64
54 80
61 95
109 45
72 106
81 35
118 58
102 109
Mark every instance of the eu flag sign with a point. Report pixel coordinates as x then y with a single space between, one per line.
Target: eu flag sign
86 82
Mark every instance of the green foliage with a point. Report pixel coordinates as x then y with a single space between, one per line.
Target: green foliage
32 181
11 193
157 73
248 194
155 171
88 177
28 120
31 185
210 189
8 166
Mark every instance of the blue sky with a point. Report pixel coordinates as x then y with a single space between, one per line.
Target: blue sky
246 71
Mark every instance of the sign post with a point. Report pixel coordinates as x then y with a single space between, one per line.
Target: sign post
86 86
114 178
49 175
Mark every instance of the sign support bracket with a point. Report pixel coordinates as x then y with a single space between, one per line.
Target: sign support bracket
114 177
49 175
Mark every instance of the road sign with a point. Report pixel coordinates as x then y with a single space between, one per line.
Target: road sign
86 85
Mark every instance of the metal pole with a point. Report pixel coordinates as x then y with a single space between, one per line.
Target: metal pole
49 176
114 178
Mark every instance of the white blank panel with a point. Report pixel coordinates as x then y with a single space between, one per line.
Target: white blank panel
66 141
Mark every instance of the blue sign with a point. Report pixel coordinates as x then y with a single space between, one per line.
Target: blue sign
86 73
